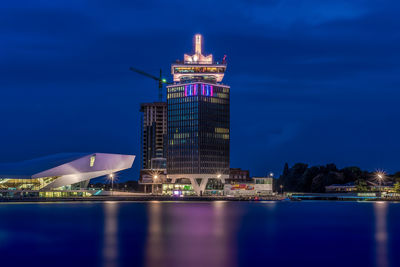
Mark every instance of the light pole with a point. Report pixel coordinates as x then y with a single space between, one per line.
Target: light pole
380 175
155 178
281 186
112 183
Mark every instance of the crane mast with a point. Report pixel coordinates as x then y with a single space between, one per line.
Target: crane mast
161 81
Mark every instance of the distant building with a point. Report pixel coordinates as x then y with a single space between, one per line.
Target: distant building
153 132
198 121
237 174
60 175
259 186
370 186
349 187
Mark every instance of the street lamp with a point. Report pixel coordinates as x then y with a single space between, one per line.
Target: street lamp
281 186
112 183
380 175
155 178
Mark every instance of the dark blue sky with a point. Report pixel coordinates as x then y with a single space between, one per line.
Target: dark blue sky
311 81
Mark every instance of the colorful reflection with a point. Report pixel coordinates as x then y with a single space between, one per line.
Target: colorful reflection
195 234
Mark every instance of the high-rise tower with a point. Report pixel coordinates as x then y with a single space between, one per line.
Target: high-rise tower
198 121
153 132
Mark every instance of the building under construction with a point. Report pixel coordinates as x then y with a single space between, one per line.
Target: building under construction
153 132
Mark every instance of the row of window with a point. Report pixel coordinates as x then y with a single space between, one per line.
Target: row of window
175 89
182 100
200 85
181 124
182 111
193 116
189 128
183 141
216 100
221 130
194 99
182 106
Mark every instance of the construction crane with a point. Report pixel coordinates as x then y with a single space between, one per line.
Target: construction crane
160 80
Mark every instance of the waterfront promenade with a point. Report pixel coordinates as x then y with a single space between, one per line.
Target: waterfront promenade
160 198
143 197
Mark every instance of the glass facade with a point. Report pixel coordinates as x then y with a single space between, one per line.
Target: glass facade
26 184
198 128
178 190
200 69
44 194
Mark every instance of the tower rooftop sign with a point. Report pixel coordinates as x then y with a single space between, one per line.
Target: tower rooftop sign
198 67
198 57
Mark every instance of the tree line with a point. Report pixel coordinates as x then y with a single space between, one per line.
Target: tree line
302 178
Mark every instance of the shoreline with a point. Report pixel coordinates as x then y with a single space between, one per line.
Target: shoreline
184 199
137 198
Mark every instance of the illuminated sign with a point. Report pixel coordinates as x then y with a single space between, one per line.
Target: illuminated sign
242 187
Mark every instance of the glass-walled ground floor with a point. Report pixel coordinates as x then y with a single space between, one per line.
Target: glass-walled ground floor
178 190
48 194
213 193
26 184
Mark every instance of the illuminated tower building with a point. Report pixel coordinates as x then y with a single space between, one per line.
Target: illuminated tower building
198 121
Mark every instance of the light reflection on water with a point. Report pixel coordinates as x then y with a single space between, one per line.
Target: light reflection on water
110 243
154 248
195 234
381 235
203 234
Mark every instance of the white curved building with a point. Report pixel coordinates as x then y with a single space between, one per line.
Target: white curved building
67 171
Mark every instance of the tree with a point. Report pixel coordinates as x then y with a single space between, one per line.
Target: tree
294 180
331 167
317 185
397 185
351 174
361 185
396 175
286 169
308 177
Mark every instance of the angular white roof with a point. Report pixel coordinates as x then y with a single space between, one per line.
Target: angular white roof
69 167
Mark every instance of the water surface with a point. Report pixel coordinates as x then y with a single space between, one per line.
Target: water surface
200 234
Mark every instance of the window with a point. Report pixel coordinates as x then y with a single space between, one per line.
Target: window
92 160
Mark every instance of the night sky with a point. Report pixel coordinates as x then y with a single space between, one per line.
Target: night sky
311 81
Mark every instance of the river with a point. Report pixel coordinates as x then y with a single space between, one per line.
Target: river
219 233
